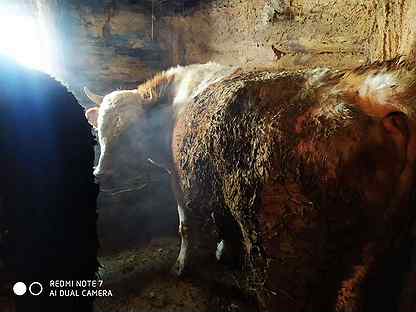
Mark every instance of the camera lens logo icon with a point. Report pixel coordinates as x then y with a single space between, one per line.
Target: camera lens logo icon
20 288
35 289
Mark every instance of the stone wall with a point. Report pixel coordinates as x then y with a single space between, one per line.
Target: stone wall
110 44
296 33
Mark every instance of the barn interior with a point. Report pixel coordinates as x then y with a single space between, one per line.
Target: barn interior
118 44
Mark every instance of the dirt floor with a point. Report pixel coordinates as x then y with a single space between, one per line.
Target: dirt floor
140 280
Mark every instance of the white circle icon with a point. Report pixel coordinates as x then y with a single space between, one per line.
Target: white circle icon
35 292
19 288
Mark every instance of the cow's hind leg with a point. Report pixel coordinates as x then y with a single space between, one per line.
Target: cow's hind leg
230 249
183 252
198 241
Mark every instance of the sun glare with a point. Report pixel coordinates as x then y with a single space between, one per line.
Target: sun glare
22 38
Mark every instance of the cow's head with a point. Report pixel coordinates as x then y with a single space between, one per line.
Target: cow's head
381 97
131 127
386 92
113 117
383 173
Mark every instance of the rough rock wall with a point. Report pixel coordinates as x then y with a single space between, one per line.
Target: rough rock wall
393 28
109 44
295 33
103 44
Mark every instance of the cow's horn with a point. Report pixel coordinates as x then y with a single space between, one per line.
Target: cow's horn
97 99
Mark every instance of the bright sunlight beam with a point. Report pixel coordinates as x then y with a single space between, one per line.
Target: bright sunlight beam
23 39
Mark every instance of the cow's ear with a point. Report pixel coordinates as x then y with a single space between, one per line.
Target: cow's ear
396 124
92 115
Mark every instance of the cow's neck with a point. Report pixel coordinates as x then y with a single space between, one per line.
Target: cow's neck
159 125
186 83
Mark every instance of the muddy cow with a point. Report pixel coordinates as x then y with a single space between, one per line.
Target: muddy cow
311 172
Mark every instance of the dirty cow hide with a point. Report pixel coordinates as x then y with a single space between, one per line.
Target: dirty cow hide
47 188
308 175
316 170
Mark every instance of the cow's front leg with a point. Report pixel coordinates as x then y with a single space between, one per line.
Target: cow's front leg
198 242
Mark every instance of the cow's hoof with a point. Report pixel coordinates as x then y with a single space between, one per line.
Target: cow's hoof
178 268
228 255
187 268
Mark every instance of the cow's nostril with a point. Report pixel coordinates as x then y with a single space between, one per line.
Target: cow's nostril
101 173
105 179
98 176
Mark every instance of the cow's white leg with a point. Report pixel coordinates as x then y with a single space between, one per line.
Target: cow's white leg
198 241
229 249
183 232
